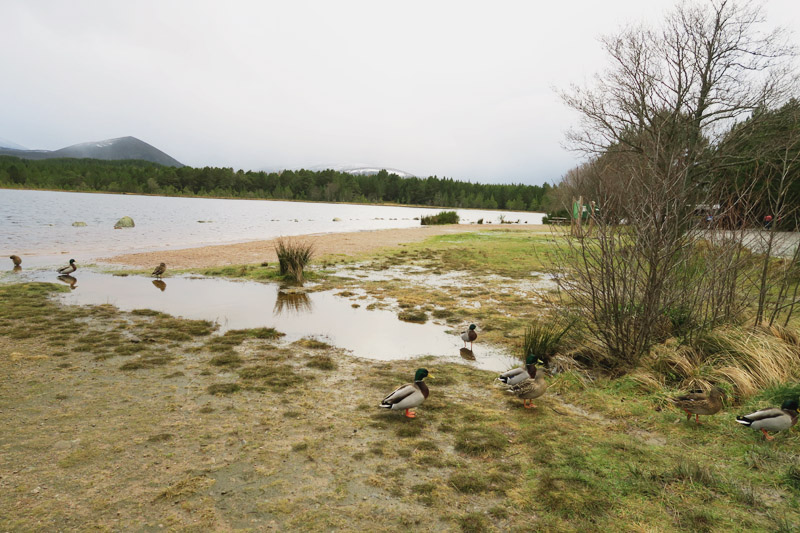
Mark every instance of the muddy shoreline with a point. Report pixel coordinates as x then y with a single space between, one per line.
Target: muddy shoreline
324 244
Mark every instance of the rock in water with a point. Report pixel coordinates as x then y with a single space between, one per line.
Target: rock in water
124 222
79 224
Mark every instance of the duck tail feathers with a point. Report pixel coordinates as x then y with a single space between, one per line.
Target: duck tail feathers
744 420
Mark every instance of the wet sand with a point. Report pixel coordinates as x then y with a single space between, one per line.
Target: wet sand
324 244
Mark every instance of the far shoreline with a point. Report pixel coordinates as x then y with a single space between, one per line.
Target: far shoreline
381 204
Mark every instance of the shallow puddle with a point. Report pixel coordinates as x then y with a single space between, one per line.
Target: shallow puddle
371 334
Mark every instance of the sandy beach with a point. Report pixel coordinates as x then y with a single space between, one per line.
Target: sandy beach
324 244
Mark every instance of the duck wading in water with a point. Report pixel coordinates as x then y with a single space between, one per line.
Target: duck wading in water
409 395
469 336
69 269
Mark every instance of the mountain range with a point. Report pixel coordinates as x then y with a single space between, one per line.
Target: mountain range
109 149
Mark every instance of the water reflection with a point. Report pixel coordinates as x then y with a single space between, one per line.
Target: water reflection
292 300
69 280
17 268
372 334
467 354
160 285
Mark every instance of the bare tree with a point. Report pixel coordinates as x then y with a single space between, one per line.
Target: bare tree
651 124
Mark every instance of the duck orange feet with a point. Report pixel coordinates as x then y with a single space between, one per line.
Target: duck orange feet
411 414
767 435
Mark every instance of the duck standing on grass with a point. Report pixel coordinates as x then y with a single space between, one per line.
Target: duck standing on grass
700 403
469 336
69 269
16 259
531 388
518 375
409 395
772 419
159 271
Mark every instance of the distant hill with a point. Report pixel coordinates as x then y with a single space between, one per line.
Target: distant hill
109 149
5 143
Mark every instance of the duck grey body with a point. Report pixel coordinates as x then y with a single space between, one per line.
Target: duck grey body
772 419
409 395
69 269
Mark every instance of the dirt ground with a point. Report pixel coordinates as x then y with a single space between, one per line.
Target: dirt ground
324 244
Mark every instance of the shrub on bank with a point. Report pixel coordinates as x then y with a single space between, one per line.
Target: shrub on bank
445 217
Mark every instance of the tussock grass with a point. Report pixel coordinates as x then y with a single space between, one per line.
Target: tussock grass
293 256
223 388
226 359
417 316
744 361
314 344
543 338
322 362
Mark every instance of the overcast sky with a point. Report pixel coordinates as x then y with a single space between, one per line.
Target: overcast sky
452 88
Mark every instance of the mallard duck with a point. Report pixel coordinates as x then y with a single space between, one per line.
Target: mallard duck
469 336
69 269
700 403
409 395
159 271
531 388
518 375
16 259
772 419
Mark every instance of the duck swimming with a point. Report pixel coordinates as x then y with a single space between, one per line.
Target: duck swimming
409 395
69 269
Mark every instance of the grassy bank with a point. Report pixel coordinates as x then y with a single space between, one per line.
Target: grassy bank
143 421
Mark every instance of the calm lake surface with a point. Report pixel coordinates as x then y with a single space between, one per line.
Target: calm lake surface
38 224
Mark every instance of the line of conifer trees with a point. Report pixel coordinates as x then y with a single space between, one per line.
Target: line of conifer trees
143 177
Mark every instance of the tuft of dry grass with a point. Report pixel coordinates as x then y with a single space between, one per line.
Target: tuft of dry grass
293 256
748 361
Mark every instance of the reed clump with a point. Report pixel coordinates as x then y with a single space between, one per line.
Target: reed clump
293 256
543 337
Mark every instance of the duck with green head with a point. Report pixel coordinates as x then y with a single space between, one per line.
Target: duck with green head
469 336
409 395
531 388
772 419
518 375
69 269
